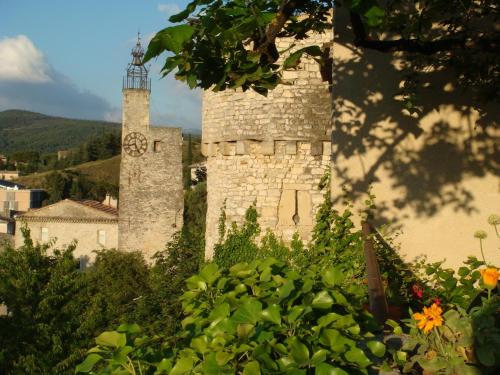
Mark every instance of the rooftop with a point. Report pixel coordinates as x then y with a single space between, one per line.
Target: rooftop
98 206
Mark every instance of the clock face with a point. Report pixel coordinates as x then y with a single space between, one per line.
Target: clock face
135 144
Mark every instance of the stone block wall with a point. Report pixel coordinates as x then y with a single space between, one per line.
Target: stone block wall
282 184
271 151
151 193
297 110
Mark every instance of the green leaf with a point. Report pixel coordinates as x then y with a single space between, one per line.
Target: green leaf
322 300
218 313
433 365
192 80
244 330
400 357
181 16
251 368
463 271
339 298
223 357
374 16
294 313
129 328
111 338
187 321
299 352
326 369
210 365
285 290
354 330
182 366
164 365
200 344
285 363
377 348
210 273
249 312
332 277
88 363
486 354
327 319
319 356
396 327
336 342
280 348
196 282
172 38
272 314
356 355
294 59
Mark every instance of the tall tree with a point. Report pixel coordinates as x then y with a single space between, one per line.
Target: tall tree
231 44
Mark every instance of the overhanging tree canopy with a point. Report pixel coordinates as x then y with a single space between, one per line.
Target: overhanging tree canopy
231 44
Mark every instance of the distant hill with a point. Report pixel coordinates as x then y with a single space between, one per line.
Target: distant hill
100 170
106 170
25 131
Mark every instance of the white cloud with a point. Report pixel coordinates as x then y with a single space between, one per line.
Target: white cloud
169 9
28 82
21 61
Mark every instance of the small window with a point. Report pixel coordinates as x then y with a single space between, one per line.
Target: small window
157 146
44 234
101 237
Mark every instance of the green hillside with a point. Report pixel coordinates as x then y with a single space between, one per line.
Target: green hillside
23 131
100 170
106 170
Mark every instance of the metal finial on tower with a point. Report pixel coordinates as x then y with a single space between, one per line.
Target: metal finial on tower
137 73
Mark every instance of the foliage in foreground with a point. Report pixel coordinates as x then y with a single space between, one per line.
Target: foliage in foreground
267 315
458 328
55 310
258 317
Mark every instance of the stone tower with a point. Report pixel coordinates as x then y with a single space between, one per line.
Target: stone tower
270 150
151 192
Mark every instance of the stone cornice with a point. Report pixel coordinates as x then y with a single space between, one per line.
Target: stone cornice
60 219
271 147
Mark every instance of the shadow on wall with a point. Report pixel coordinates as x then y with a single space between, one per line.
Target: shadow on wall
424 159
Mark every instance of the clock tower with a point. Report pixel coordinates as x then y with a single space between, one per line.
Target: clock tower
151 193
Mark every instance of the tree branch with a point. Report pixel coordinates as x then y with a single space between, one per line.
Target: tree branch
417 46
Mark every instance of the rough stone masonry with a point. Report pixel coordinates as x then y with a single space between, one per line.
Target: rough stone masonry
271 151
151 192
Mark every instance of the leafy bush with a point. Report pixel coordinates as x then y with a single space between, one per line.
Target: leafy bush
43 296
261 317
237 244
55 310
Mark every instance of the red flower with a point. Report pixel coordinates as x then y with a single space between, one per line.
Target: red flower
417 291
437 301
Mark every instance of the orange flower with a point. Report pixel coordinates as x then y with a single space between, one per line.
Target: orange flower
490 277
430 318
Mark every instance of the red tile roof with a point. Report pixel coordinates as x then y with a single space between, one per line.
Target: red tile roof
99 206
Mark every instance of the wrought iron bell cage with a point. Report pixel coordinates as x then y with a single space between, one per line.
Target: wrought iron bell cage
137 73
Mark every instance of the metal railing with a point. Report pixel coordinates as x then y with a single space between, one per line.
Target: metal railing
136 83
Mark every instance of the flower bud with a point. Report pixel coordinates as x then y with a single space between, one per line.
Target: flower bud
481 234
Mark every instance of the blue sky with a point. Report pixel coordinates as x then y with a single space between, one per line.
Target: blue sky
67 58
